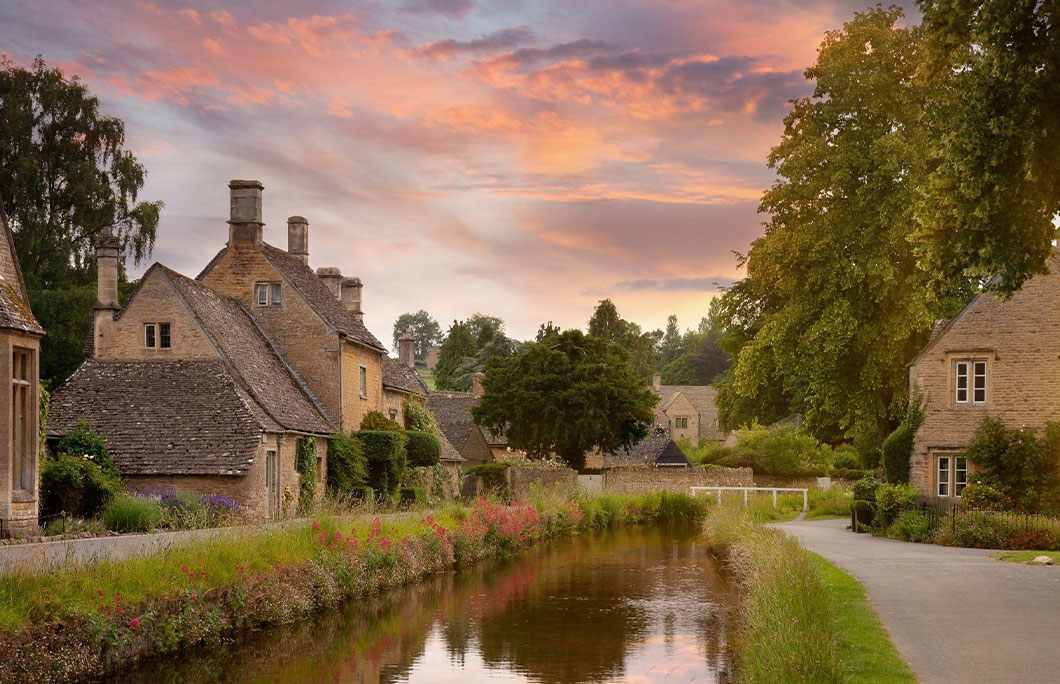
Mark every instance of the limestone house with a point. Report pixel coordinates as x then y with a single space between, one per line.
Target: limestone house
209 384
997 358
19 360
474 443
688 411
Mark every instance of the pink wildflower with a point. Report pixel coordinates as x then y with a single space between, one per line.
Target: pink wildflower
135 623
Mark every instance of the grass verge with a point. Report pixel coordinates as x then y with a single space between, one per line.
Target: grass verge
1025 557
801 619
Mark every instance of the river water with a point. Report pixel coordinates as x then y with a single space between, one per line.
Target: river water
635 605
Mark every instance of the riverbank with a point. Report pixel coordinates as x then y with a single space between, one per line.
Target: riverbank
91 621
801 619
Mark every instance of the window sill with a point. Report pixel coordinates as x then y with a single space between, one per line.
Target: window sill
23 496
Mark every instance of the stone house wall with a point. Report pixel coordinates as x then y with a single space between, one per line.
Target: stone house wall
355 406
476 450
636 479
1018 340
522 478
394 403
156 302
682 407
18 506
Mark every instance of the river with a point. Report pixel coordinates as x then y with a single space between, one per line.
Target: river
633 605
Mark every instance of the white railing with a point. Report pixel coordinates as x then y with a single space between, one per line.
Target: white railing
747 490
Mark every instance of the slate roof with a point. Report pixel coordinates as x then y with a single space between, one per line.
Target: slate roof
15 312
453 411
163 417
314 291
657 450
400 377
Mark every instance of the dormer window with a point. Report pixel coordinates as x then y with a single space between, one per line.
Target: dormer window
157 336
268 294
970 383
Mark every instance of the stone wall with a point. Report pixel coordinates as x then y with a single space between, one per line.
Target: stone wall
521 478
1017 339
354 405
635 479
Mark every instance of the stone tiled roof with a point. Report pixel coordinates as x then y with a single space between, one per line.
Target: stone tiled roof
449 452
398 376
163 417
453 411
257 363
15 313
652 450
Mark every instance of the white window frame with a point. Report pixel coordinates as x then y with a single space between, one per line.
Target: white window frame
681 423
942 476
969 381
167 342
961 378
951 478
978 382
275 297
268 293
960 475
150 335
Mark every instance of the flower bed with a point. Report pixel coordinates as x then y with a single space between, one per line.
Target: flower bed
92 621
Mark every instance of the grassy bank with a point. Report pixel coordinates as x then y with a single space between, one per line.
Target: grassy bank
86 622
1026 557
801 619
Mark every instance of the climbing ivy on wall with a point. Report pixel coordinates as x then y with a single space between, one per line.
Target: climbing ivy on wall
306 466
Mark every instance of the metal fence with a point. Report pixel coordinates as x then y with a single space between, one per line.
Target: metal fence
955 514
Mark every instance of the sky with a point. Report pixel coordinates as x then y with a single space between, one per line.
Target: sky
519 158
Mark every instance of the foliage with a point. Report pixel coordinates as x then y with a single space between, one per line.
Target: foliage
347 466
834 304
385 453
45 399
694 357
306 465
127 513
184 510
375 420
65 175
1023 465
785 451
846 458
84 442
424 449
74 486
829 503
425 330
468 348
865 489
988 205
566 395
706 452
898 447
409 497
983 497
494 477
911 525
892 500
988 530
417 417
606 324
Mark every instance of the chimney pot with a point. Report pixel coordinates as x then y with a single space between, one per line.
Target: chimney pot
477 388
108 248
656 382
298 238
332 277
352 289
244 223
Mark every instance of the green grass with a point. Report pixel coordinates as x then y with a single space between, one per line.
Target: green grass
866 651
1025 556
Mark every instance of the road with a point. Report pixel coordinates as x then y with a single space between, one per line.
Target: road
956 615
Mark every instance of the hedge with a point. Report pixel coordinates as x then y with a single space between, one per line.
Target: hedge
347 466
898 446
306 465
423 448
385 454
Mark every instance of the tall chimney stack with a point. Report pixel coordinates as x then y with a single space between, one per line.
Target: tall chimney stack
244 224
332 277
298 238
656 382
407 348
477 388
351 297
108 246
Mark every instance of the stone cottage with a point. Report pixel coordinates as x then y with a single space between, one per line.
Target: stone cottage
475 444
996 358
209 384
20 335
688 411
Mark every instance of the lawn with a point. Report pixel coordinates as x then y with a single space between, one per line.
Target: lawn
1026 556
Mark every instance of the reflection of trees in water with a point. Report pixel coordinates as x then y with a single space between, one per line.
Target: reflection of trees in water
566 614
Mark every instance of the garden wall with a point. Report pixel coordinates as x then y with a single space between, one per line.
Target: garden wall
634 479
521 478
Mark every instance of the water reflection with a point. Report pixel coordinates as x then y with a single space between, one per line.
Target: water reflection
632 606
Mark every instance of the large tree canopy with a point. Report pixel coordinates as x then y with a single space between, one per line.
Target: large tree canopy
468 348
425 330
988 204
566 395
834 304
607 324
65 175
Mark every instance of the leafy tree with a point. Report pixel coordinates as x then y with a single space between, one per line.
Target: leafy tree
546 330
65 175
425 329
468 348
988 205
84 442
606 324
680 371
1020 463
566 395
834 304
459 344
671 347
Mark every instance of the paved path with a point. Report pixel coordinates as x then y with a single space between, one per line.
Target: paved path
956 615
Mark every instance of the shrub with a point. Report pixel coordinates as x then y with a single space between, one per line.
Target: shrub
845 458
911 525
75 486
374 420
988 530
347 466
898 446
363 494
829 502
306 465
784 451
417 417
126 513
384 452
412 496
1024 467
865 489
707 452
424 449
864 513
984 497
891 500
847 474
494 476
84 442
